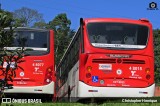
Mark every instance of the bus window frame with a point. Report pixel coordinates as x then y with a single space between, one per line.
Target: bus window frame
63 63
35 30
125 49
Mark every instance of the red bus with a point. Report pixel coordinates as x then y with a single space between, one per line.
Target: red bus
38 75
108 57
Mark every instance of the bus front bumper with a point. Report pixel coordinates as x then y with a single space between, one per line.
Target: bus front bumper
46 89
90 91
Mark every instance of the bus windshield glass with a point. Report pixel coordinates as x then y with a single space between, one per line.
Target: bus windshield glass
34 42
118 35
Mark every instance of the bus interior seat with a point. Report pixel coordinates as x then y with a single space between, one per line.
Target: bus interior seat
102 39
129 40
98 39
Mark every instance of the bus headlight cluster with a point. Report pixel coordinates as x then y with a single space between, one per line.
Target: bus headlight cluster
148 76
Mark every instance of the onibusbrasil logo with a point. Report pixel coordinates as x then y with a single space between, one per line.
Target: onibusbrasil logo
153 6
13 100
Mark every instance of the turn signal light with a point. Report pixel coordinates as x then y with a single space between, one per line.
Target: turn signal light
89 68
49 70
147 70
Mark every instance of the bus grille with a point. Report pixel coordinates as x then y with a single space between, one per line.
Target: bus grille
124 61
104 61
130 61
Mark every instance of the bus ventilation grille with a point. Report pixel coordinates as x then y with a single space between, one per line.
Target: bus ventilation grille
129 61
104 61
124 61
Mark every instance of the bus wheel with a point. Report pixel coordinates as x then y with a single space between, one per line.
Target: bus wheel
69 94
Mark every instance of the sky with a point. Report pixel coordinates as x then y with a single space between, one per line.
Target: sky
76 9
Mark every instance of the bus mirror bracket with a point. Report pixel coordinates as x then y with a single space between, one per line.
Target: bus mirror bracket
82 36
81 22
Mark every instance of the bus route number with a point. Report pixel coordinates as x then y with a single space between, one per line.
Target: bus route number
38 64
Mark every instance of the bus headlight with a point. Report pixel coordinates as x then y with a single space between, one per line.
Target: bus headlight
88 75
148 77
47 80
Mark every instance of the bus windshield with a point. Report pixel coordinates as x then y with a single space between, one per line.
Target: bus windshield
34 42
118 35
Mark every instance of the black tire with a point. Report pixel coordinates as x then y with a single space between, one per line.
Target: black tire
69 93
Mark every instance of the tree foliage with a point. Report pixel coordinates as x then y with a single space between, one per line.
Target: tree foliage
61 26
7 71
6 37
26 17
41 25
157 54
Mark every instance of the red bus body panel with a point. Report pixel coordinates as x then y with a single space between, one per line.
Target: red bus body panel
36 68
137 64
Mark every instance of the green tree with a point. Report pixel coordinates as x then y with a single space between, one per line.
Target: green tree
26 17
157 54
7 73
5 36
42 25
61 26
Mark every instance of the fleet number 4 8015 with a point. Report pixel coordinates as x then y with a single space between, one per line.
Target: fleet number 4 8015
135 68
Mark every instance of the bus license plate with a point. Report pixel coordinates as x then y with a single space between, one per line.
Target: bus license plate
105 66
